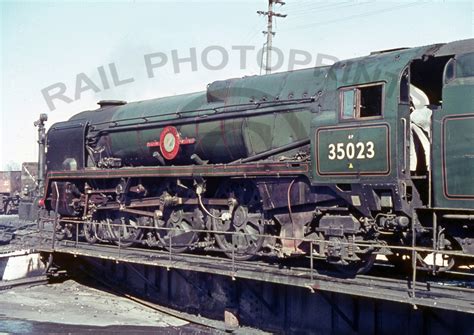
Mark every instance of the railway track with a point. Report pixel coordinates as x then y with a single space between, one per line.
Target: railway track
434 292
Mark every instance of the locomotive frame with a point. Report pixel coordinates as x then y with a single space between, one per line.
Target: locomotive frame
336 182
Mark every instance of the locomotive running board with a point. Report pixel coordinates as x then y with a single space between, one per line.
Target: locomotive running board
210 170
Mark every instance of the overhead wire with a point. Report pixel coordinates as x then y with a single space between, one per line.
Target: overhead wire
351 17
251 33
305 9
340 6
259 31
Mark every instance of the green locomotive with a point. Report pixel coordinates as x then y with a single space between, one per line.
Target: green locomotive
370 156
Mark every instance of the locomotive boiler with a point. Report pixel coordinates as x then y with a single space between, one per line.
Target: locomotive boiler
365 157
233 119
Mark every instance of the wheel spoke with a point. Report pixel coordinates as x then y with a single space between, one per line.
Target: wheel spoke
180 227
123 230
246 222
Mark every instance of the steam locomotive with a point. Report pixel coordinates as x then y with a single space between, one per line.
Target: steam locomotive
366 157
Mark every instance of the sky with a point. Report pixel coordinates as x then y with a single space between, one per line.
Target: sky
46 46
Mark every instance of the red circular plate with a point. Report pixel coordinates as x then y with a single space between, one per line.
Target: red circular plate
169 142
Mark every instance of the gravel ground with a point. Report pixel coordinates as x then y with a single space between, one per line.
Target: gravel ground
73 303
70 307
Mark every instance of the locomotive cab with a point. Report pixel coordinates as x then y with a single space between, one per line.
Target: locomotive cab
376 126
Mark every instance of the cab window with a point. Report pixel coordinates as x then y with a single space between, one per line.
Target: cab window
358 102
348 104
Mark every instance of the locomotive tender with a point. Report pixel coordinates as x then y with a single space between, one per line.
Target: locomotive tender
343 162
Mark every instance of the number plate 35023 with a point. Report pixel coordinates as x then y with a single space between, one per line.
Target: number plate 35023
353 150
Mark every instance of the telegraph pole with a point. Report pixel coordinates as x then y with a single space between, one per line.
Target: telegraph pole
270 33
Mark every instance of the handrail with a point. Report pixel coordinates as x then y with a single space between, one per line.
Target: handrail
404 121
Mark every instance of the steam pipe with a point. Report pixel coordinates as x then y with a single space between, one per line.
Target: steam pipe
274 151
